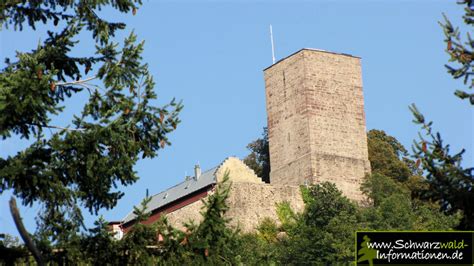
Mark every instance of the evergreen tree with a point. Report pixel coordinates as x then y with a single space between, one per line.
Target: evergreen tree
461 51
98 246
212 240
81 162
138 247
448 181
209 242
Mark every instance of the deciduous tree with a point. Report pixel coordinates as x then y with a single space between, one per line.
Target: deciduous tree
259 158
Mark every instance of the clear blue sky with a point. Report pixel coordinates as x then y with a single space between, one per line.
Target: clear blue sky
211 55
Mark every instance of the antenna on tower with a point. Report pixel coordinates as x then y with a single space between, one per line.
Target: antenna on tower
273 46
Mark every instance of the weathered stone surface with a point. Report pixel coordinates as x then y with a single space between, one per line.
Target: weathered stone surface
250 203
238 171
316 126
316 121
250 200
186 214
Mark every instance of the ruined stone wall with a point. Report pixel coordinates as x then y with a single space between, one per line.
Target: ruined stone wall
316 121
250 203
250 200
191 212
238 171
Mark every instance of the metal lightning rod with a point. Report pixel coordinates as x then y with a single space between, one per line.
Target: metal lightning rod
273 46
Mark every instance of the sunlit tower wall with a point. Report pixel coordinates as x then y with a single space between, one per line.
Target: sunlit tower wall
316 121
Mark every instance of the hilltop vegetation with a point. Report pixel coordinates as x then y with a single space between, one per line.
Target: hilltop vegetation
428 189
323 233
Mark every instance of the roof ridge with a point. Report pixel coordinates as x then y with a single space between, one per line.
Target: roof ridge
182 182
196 184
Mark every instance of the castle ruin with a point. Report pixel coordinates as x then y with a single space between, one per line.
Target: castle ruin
316 121
317 133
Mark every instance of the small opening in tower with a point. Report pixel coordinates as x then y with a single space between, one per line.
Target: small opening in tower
288 137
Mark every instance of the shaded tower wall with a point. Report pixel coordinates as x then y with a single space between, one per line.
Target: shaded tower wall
316 121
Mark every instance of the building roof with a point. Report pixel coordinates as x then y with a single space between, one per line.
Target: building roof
310 49
190 185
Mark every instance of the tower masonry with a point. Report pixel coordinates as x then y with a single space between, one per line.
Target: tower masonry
316 121
316 130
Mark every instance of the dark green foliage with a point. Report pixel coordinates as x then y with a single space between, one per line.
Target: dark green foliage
324 232
138 247
207 243
212 240
11 251
378 187
99 245
327 203
461 51
83 161
268 230
254 250
387 156
259 158
394 209
392 204
174 248
12 255
448 181
18 13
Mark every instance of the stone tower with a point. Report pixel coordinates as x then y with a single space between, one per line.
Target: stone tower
316 120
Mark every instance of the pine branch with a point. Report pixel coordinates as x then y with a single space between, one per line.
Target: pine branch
77 82
58 127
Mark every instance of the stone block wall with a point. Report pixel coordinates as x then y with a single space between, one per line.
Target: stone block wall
288 125
191 212
239 172
249 204
316 121
250 200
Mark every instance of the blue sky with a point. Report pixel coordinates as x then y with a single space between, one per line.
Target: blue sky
211 55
